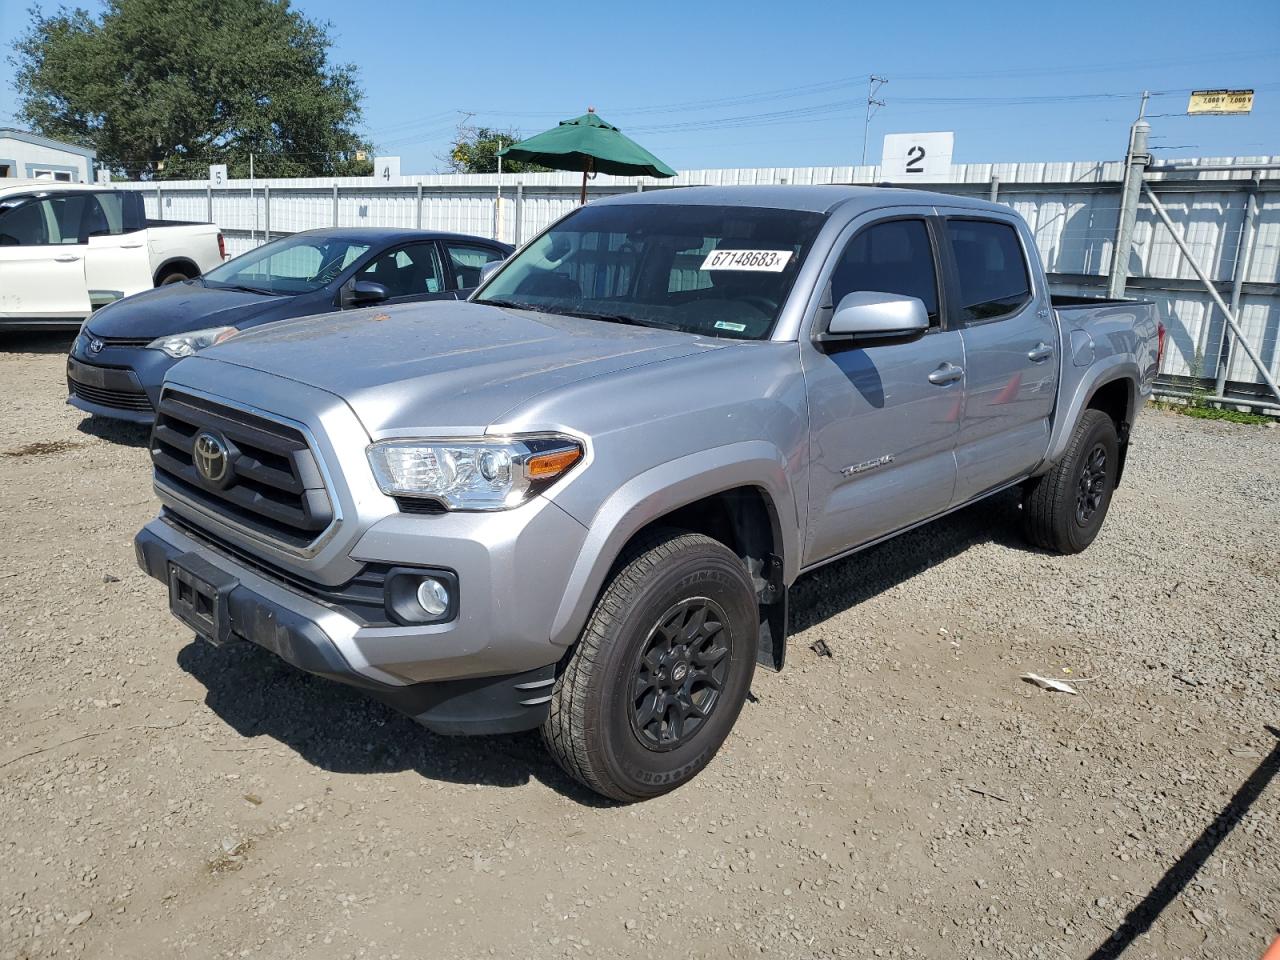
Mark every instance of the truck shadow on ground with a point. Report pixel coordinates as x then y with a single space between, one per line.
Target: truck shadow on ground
341 730
839 586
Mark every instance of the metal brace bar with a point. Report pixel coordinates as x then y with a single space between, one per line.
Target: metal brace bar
1245 345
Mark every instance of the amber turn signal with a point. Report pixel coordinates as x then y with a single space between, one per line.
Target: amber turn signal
546 466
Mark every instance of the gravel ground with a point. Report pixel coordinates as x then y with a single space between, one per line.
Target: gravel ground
906 796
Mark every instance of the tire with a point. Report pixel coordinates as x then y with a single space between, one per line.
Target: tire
624 718
1063 510
174 276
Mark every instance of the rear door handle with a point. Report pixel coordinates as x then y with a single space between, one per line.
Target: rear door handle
1041 351
947 373
130 246
65 259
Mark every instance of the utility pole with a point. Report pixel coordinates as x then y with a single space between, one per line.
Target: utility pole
874 83
1136 158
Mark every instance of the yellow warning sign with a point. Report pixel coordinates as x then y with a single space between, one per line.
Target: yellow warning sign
1220 101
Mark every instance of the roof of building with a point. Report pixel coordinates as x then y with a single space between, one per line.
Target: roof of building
26 136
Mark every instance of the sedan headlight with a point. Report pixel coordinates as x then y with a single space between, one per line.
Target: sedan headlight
185 344
473 474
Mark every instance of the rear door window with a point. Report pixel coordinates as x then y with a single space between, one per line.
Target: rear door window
894 256
466 260
991 269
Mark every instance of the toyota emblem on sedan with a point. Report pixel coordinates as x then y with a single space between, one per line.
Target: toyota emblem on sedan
211 457
95 346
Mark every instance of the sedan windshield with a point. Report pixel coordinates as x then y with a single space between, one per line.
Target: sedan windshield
712 270
299 264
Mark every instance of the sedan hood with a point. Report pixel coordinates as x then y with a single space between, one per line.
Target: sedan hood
451 368
180 307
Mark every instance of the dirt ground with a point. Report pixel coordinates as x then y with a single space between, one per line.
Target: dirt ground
906 796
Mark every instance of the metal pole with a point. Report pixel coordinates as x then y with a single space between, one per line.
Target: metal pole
419 220
335 203
1213 291
266 213
995 189
208 200
253 202
1136 160
1244 256
519 212
497 209
159 203
872 87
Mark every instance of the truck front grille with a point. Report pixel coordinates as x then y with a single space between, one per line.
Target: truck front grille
253 472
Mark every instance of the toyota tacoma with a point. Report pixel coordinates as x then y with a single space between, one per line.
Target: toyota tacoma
578 500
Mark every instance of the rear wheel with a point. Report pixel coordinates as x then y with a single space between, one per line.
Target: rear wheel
654 685
173 276
1063 510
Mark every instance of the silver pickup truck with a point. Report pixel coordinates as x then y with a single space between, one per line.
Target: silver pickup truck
578 500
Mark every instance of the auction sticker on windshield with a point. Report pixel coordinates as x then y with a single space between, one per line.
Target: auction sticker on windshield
768 261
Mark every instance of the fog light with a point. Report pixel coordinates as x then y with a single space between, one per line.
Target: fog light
433 596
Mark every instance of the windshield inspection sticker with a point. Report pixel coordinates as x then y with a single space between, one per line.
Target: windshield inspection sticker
734 327
767 261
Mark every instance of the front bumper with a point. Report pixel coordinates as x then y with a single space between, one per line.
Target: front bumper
477 686
119 383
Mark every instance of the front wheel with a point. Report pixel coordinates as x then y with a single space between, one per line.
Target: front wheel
655 683
1063 510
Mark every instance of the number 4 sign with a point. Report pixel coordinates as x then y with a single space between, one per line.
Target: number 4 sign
919 157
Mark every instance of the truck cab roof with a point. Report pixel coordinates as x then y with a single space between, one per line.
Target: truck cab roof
817 198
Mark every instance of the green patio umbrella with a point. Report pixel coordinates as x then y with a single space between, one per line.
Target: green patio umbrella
589 144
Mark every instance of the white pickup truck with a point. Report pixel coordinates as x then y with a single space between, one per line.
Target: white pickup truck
66 249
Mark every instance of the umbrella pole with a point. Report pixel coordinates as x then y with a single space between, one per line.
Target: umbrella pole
586 165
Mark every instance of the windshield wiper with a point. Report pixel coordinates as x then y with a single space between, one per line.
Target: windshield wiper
246 289
509 304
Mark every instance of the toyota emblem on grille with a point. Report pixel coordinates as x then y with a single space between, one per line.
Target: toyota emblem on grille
95 346
211 457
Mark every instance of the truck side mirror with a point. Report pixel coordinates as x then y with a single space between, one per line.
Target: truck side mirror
489 269
362 293
871 316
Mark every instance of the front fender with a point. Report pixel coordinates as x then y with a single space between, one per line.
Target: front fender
656 493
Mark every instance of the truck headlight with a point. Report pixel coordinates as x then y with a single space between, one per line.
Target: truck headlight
185 344
473 474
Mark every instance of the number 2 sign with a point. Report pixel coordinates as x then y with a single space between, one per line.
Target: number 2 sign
919 157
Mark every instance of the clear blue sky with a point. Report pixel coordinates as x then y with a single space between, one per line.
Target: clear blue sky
784 83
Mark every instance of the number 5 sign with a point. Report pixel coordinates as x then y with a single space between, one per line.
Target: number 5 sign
922 157
218 175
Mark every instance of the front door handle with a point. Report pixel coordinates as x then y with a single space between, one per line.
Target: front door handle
947 373
65 259
1041 351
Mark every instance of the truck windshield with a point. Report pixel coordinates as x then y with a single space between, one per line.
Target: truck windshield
292 265
712 270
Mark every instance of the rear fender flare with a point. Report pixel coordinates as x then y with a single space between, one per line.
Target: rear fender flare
657 492
1071 405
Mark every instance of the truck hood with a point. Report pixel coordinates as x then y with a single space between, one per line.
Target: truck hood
448 368
179 308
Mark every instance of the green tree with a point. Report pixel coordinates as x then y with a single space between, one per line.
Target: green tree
475 150
163 88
